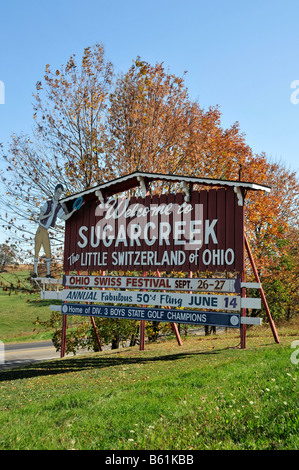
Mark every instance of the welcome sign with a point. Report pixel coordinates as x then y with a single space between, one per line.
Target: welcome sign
158 232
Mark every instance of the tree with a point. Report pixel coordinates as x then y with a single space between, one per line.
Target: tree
71 114
281 279
89 130
7 255
270 216
66 146
154 126
272 230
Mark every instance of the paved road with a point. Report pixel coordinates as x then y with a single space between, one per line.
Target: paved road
20 354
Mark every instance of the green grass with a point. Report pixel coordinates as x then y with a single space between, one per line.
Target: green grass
205 394
20 309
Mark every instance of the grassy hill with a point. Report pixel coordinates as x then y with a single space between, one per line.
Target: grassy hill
20 306
206 394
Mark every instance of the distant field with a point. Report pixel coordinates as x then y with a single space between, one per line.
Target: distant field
19 308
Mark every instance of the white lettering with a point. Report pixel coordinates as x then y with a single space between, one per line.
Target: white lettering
121 236
146 237
164 233
107 241
134 233
218 257
206 257
194 231
230 252
95 243
84 238
209 230
178 231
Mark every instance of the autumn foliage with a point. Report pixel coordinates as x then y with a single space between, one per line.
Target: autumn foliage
154 126
91 127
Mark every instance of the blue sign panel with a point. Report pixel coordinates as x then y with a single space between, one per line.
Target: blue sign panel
154 314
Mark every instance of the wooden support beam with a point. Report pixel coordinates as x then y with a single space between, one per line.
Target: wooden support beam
264 300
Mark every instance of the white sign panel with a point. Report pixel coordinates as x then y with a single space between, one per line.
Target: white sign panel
155 314
166 299
153 283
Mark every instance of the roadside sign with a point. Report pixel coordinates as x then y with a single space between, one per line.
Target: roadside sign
154 314
191 231
158 232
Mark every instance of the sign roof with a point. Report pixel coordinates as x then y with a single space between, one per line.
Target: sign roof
124 183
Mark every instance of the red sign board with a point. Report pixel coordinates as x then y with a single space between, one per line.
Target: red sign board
158 232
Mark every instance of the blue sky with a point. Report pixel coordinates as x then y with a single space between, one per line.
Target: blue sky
241 55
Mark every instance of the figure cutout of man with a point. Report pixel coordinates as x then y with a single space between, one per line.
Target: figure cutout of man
47 218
